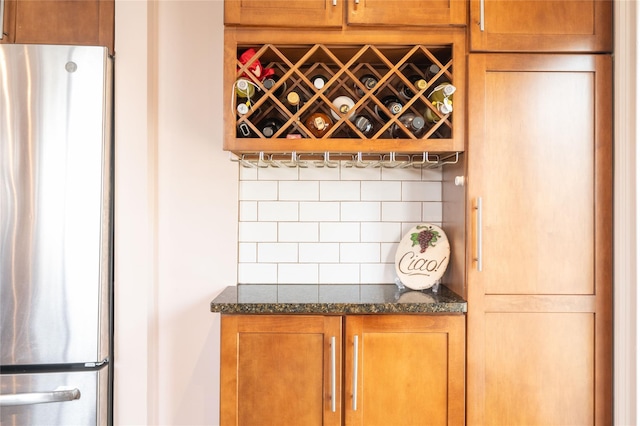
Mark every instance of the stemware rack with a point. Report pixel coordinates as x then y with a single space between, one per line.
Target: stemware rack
333 160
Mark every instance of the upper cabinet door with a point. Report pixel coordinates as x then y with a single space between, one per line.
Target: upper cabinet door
89 22
407 12
541 25
284 13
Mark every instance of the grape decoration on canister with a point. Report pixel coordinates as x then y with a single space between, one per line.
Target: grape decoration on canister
422 257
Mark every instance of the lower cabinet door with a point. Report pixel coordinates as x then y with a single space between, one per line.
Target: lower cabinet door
404 370
292 370
280 370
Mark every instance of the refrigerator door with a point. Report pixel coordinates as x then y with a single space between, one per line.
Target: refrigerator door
69 398
55 216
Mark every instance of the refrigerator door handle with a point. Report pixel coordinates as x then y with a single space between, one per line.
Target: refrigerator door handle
39 397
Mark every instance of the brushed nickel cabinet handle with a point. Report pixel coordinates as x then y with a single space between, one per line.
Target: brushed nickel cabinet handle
478 258
333 374
335 2
481 15
354 403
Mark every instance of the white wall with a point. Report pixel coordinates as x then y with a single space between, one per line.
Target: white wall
176 212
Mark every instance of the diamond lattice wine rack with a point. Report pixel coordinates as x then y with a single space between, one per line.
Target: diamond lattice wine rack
341 97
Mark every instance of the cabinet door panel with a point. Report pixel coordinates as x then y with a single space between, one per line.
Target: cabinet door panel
277 370
538 188
65 22
407 12
284 13
540 308
408 370
541 25
539 368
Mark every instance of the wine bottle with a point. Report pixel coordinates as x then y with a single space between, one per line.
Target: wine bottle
369 81
318 124
440 97
271 81
364 124
244 131
431 71
407 92
411 121
269 126
319 81
392 105
344 104
245 89
294 101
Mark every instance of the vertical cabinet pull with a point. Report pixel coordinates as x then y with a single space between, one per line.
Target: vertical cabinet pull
357 1
481 15
478 258
354 403
2 2
335 2
333 374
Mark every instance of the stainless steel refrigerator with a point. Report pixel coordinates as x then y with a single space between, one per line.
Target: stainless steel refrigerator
56 238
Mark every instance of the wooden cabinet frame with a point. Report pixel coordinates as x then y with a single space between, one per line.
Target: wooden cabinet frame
451 38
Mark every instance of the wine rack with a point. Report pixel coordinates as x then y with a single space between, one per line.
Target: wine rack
394 67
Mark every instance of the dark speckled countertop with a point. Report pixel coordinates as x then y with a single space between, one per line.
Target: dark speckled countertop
335 299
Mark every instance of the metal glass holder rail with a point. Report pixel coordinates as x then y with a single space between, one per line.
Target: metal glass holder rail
333 160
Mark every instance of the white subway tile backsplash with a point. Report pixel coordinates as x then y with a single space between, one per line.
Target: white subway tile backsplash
432 175
257 273
278 174
381 191
319 173
361 174
248 173
421 191
432 212
401 211
388 252
359 252
248 211
319 252
377 273
329 227
278 211
258 190
363 211
297 273
277 252
247 252
298 232
340 191
339 232
339 273
379 232
299 190
257 231
319 211
401 174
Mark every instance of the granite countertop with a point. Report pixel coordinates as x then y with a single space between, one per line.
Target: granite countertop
335 299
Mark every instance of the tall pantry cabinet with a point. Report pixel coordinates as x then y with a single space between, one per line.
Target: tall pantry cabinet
539 199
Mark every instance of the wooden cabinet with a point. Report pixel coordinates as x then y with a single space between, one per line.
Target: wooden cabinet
335 13
342 60
326 370
541 25
540 249
89 22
